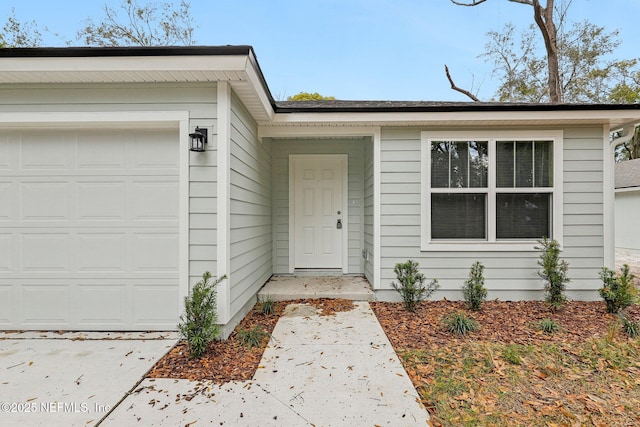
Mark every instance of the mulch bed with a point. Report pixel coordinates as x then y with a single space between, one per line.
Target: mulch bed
500 321
230 360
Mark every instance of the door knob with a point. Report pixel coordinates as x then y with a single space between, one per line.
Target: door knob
339 224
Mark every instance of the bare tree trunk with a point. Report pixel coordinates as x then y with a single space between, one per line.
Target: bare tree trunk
543 17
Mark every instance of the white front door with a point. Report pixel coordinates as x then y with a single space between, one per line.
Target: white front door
318 211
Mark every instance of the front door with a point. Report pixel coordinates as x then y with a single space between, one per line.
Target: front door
318 211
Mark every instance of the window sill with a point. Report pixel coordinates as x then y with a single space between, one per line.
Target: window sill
475 246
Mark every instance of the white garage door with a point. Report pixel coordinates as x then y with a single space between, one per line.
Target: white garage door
89 229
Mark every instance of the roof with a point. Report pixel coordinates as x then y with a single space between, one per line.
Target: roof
238 66
628 174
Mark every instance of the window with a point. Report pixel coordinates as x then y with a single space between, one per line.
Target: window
490 189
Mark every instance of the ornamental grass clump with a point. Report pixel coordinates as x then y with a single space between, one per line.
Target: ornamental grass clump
617 291
473 289
198 323
459 324
554 272
411 285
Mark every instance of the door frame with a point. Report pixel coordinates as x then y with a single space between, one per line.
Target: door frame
345 204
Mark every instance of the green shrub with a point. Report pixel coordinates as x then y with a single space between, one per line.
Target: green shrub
252 337
473 289
554 272
268 306
411 284
548 326
618 292
630 327
198 323
459 323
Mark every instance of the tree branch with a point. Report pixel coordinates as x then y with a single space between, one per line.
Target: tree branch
456 88
473 3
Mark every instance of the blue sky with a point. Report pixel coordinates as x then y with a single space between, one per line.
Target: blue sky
354 49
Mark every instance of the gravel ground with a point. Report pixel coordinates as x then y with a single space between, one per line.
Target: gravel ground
628 256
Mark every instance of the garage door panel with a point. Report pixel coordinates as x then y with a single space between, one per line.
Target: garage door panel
44 201
102 252
155 252
156 305
6 305
7 192
102 151
45 304
7 245
149 200
5 146
100 305
46 150
101 200
45 252
154 150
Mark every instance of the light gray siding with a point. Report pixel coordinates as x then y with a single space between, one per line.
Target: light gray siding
281 149
198 99
509 275
368 211
250 208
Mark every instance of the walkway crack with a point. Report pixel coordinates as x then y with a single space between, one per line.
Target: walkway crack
285 405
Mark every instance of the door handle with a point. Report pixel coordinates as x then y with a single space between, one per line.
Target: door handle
339 224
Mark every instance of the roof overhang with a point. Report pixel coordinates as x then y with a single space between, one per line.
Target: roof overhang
235 64
238 66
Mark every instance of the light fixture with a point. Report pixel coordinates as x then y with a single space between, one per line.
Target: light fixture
198 139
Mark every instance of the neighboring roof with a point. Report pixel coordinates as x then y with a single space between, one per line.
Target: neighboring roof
628 174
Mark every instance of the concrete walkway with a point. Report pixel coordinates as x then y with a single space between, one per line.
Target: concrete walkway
74 378
337 370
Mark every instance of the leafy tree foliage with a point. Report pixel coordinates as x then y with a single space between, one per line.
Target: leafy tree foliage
135 24
19 34
306 96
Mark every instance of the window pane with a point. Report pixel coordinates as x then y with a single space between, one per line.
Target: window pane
439 165
504 164
459 164
524 164
543 164
458 216
523 216
478 164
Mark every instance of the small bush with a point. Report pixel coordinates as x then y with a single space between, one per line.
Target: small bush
459 323
554 272
268 306
548 326
198 323
630 327
618 292
411 284
252 337
473 290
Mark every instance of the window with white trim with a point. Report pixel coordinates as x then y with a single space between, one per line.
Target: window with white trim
489 188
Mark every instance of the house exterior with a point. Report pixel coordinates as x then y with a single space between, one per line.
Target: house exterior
107 218
627 203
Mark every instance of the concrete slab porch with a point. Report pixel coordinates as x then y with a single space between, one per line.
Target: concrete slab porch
286 288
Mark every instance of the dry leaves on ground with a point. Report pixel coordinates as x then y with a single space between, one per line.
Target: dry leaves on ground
230 360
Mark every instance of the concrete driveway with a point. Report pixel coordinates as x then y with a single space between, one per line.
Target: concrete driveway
72 379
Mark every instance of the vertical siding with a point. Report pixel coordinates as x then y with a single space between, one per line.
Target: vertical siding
250 204
627 209
198 99
509 275
281 149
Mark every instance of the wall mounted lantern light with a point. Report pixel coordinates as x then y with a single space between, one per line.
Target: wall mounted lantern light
198 139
